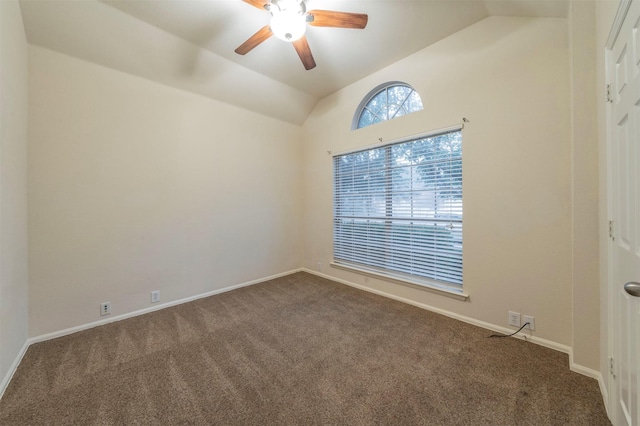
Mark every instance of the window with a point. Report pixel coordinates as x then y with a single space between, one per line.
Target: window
387 102
398 210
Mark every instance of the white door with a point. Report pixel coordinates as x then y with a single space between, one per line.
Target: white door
624 165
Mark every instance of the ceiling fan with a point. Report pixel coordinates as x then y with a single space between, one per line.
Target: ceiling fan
289 19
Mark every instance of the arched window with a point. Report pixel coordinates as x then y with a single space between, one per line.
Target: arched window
386 102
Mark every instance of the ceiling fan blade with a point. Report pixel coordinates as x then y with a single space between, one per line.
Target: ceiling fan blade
331 18
302 47
260 36
257 3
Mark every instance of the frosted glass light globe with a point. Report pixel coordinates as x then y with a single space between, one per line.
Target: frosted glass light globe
288 25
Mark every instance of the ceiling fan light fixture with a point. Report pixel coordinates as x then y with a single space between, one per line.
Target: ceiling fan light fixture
289 19
288 25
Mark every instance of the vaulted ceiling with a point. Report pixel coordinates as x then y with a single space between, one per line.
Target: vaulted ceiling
189 44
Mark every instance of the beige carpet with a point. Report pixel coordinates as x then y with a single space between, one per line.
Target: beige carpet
296 350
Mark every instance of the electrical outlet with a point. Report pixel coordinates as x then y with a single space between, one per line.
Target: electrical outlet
105 308
319 266
514 318
155 296
530 320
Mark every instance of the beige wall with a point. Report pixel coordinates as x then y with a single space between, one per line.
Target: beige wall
584 168
13 187
134 186
511 78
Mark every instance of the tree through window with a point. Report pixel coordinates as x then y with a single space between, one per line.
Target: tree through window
387 102
398 209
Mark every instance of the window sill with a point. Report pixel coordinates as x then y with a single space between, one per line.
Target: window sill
423 285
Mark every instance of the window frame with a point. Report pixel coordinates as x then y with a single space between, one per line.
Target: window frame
372 94
450 288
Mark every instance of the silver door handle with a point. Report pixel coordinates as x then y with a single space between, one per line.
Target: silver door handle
632 288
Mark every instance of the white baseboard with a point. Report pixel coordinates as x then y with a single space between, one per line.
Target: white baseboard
121 317
594 374
586 371
543 342
14 366
534 339
71 330
605 394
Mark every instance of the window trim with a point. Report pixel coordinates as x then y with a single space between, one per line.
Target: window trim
434 287
374 92
452 290
381 143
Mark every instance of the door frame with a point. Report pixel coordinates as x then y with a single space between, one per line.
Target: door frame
611 388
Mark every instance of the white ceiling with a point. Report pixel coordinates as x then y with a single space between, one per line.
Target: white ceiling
189 44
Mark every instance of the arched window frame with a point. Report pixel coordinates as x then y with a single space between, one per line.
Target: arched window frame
375 92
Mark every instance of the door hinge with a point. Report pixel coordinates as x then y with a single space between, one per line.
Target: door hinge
608 93
613 238
612 370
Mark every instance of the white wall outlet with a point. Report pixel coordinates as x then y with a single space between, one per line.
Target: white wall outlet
514 318
530 320
105 308
155 296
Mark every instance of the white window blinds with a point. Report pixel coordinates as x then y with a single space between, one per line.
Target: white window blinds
398 209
